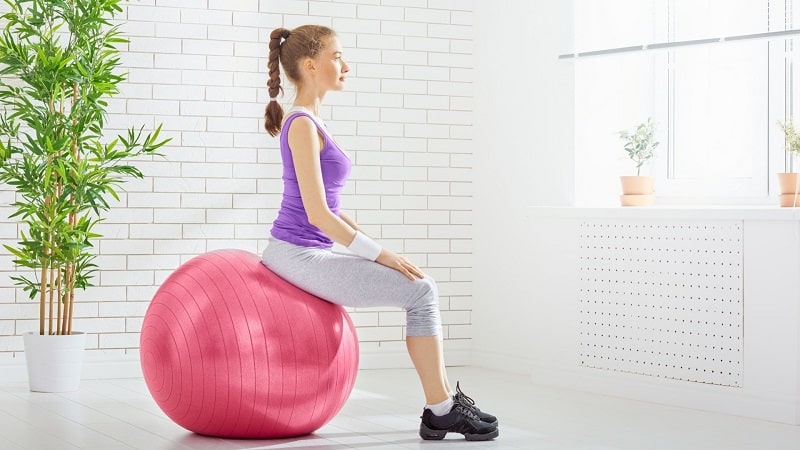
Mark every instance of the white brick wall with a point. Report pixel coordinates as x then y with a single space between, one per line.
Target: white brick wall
198 67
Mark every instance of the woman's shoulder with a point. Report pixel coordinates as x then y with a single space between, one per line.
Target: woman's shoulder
294 115
299 124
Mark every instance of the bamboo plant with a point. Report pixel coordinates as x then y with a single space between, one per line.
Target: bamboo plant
59 64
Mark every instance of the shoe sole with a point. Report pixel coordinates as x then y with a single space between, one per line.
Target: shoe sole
429 434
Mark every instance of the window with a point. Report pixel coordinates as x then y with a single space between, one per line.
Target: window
715 76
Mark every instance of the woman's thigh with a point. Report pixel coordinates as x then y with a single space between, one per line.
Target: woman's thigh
343 279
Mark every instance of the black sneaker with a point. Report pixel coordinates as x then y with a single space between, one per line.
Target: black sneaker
465 400
460 419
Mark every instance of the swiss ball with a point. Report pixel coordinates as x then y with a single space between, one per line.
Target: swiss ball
229 349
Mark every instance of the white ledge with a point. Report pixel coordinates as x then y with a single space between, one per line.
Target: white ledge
700 212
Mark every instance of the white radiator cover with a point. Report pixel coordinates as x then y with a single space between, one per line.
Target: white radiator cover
593 299
662 298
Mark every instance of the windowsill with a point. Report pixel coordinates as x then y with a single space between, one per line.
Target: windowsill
678 212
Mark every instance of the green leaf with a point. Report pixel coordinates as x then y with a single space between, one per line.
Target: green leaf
58 164
640 143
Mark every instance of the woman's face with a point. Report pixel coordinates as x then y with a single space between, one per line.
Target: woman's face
331 68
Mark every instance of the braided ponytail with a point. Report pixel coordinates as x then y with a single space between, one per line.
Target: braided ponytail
273 114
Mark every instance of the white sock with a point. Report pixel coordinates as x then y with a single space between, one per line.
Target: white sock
452 394
443 408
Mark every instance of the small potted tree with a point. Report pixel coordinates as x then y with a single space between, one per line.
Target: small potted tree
789 182
58 66
640 145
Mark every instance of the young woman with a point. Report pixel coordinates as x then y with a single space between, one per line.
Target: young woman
310 221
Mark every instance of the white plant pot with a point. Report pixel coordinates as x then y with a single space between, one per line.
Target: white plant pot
54 362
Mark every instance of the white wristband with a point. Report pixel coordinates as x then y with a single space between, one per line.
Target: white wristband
364 247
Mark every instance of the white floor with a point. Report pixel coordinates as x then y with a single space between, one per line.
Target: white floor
383 413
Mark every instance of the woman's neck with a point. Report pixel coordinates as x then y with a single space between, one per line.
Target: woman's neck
312 104
308 108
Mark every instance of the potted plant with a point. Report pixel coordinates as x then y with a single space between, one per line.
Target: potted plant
789 182
58 66
640 145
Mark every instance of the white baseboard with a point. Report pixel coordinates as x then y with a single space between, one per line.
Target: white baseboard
108 367
13 371
94 368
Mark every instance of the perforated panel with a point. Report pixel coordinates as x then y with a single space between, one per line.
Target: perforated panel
662 299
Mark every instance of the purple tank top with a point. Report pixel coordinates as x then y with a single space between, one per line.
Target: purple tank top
291 224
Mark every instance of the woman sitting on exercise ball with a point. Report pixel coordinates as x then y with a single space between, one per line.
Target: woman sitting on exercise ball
309 222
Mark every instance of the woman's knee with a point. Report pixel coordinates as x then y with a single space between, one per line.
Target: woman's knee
428 290
423 316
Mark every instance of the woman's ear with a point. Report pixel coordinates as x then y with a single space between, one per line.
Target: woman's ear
308 66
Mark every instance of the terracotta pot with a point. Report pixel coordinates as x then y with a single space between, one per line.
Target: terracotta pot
637 191
637 184
789 200
790 192
637 199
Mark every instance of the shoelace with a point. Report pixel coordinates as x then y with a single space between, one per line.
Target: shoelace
463 398
466 401
466 410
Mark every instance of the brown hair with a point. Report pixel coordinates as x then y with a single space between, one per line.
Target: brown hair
288 48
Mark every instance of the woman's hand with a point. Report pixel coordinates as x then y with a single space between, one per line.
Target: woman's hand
399 263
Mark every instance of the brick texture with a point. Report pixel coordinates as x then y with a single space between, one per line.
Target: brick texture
198 67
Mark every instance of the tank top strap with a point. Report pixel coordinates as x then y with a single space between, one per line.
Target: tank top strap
303 111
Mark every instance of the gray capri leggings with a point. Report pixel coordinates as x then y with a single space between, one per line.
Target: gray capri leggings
357 282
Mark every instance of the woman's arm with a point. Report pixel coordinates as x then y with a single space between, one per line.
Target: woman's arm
305 146
348 220
304 143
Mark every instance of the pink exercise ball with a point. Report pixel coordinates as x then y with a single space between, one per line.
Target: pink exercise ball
230 349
